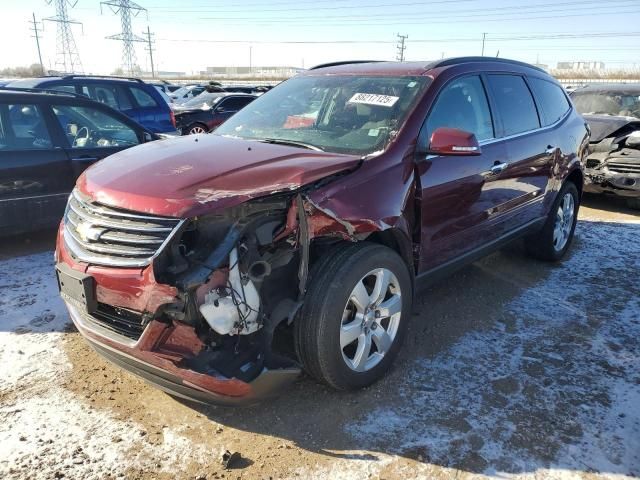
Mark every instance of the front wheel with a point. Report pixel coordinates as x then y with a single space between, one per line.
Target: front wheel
354 316
553 241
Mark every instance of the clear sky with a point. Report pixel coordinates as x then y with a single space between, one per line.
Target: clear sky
193 34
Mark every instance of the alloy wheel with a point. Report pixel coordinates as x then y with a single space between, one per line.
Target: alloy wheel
370 320
564 222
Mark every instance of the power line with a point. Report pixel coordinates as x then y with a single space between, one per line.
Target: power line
36 29
493 38
401 47
150 49
67 55
504 10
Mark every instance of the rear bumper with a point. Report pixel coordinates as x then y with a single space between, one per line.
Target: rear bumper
159 366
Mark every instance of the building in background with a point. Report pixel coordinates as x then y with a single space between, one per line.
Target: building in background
581 66
239 72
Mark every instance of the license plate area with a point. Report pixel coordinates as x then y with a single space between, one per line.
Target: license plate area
77 287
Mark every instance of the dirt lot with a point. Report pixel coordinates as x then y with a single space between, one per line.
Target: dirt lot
512 368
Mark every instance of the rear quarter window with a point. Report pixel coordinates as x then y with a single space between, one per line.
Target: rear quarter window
515 104
143 98
551 98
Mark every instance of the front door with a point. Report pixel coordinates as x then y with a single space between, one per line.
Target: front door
35 174
458 192
92 134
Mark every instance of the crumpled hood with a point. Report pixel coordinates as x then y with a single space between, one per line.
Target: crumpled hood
603 126
198 174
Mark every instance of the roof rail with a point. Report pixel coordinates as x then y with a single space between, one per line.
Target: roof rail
43 90
345 62
458 60
133 79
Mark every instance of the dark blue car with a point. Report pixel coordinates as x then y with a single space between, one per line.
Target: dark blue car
133 97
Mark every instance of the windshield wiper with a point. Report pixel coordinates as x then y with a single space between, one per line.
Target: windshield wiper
293 143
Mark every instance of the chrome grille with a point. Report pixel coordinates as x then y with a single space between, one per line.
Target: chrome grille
103 235
623 167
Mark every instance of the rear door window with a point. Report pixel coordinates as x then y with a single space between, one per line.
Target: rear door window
551 98
87 127
143 98
515 104
114 96
462 104
234 104
23 128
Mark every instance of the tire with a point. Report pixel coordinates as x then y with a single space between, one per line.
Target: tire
546 244
634 203
332 314
197 128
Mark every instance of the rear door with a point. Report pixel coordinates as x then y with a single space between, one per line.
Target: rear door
458 197
154 113
93 133
35 174
111 94
520 187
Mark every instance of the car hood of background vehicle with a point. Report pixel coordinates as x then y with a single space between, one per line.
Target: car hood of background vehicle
198 174
603 126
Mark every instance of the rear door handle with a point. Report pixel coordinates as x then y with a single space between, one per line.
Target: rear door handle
498 168
551 150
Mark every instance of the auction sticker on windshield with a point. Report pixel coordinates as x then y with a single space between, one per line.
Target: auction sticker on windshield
374 99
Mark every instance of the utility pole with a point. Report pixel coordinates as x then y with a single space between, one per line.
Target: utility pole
484 37
126 9
250 60
36 29
67 56
401 47
150 50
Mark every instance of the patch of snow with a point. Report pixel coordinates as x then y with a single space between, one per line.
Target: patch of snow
43 426
552 387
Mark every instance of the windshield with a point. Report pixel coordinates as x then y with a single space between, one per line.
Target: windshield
341 114
608 103
204 99
183 90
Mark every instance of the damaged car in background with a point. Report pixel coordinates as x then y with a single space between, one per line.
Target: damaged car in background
613 114
217 267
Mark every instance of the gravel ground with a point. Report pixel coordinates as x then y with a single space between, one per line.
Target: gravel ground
512 368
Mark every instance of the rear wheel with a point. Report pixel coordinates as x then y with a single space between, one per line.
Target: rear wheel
552 242
355 316
196 128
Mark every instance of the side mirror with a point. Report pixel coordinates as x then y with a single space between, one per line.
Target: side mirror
451 141
147 137
220 110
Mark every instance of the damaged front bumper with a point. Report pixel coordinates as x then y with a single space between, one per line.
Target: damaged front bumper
155 359
619 178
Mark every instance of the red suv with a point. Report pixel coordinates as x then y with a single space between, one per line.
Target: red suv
216 266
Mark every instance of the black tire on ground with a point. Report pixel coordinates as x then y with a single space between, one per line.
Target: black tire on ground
541 245
318 325
195 128
634 203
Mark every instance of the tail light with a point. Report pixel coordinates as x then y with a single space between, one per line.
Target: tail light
173 118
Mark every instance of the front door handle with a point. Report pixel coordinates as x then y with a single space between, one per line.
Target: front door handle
85 159
498 168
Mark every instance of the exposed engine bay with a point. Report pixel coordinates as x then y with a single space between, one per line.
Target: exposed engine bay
241 276
613 164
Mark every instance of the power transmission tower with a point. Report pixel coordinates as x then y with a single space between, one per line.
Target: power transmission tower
67 57
126 9
401 47
36 29
150 49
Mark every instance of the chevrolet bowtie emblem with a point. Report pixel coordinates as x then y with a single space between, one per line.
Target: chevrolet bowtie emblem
88 232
